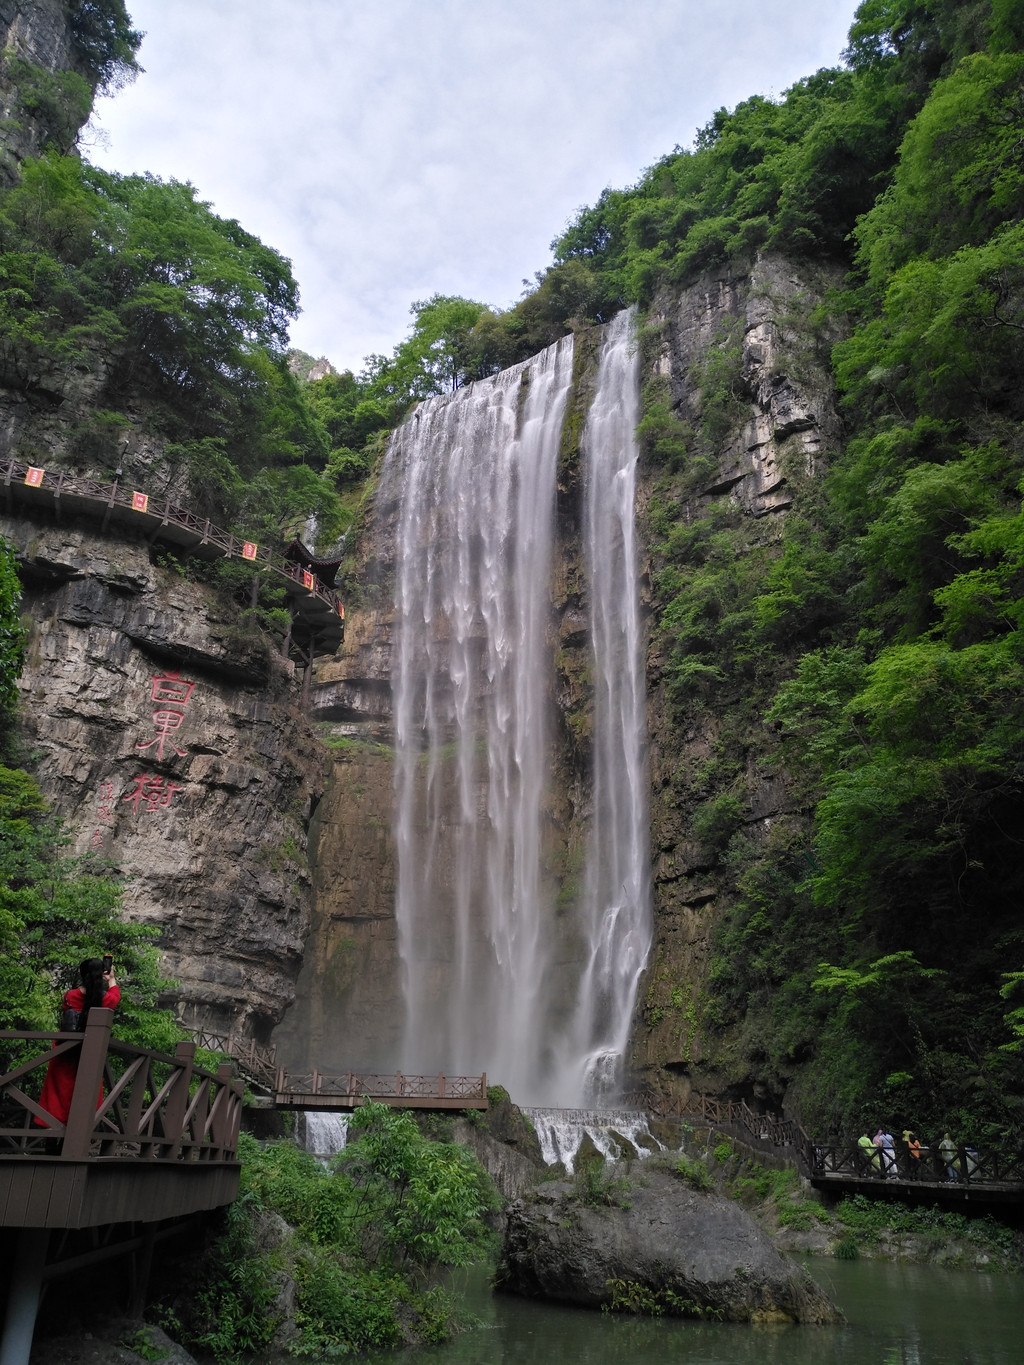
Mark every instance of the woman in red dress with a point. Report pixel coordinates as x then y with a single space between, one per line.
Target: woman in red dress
98 989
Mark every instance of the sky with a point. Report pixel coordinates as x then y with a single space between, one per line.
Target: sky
397 149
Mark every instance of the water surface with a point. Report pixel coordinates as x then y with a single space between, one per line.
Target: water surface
898 1315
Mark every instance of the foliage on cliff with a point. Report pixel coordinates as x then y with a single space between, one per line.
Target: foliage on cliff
868 959
56 911
363 1243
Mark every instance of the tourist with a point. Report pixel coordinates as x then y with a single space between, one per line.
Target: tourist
947 1150
914 1150
98 990
869 1153
887 1147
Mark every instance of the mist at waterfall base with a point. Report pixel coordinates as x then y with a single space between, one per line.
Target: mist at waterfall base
502 973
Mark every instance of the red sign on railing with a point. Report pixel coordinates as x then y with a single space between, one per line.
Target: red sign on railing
140 502
308 581
249 550
33 476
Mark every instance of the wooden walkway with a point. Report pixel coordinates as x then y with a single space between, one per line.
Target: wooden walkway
150 1140
27 489
966 1174
342 1091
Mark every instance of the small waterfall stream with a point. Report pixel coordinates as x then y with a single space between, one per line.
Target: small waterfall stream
618 1134
492 980
326 1134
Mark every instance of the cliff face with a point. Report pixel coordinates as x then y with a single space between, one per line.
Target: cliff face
766 443
44 96
173 748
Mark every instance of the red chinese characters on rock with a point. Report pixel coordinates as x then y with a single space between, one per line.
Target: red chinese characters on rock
175 692
151 792
106 816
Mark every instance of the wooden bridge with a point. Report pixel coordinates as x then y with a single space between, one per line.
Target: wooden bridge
342 1091
960 1174
314 606
120 1174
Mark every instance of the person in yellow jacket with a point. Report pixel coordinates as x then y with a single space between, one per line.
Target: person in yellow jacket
870 1153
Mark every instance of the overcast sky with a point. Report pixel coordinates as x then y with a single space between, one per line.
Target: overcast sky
394 149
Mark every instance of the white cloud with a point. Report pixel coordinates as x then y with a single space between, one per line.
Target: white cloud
397 148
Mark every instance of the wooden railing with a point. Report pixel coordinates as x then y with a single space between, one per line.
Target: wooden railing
159 513
253 1060
301 1089
963 1165
154 1106
764 1127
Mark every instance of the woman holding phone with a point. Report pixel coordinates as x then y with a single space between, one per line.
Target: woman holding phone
98 990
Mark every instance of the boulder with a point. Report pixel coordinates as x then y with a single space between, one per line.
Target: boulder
659 1245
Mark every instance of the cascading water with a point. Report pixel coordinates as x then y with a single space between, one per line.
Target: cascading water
326 1134
616 914
616 1133
489 984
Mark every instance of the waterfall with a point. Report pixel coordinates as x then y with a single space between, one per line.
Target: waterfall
616 1133
490 981
616 914
326 1134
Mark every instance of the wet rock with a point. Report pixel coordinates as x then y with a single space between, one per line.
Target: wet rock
665 1242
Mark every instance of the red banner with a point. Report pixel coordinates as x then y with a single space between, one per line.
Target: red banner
34 477
308 581
140 502
248 550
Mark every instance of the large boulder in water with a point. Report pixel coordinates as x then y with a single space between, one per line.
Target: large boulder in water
659 1246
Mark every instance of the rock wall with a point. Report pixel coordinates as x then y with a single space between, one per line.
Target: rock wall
172 746
779 426
39 32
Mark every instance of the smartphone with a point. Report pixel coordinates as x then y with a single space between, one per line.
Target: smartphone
108 962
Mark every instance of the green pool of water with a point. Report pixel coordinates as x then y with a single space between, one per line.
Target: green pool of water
897 1315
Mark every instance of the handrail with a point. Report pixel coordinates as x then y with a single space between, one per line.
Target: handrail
764 1127
164 512
396 1086
127 1101
259 1063
957 1164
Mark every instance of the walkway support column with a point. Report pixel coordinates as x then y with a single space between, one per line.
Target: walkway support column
23 1295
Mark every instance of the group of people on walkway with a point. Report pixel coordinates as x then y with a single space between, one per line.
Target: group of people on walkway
879 1156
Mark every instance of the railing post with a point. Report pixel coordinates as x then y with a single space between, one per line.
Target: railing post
398 1083
235 1115
483 1085
176 1106
88 1085
220 1127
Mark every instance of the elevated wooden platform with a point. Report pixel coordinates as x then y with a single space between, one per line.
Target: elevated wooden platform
149 1142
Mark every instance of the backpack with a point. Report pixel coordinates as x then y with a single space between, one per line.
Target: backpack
71 1021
